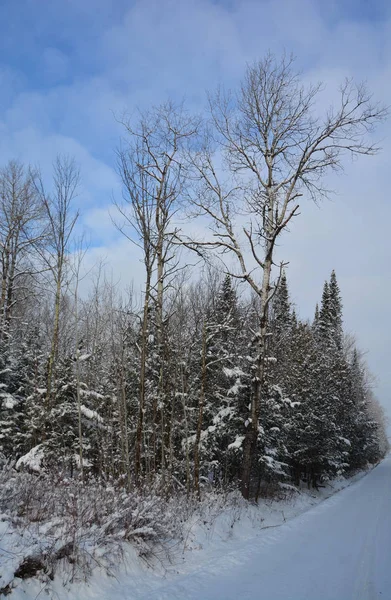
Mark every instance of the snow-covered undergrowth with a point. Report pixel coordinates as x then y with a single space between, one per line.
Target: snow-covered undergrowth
77 541
47 523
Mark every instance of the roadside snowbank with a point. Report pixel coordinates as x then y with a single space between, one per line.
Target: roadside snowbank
219 525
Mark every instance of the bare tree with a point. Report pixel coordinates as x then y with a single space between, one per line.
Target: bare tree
76 265
150 163
122 333
273 148
61 219
21 228
201 403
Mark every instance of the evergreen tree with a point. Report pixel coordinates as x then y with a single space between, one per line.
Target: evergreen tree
364 446
17 367
226 386
11 403
276 407
335 311
323 329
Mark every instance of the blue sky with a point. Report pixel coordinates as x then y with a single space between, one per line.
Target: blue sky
67 66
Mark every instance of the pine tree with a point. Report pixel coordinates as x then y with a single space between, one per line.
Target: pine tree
335 311
364 446
279 343
332 380
226 386
11 403
17 365
306 428
324 319
276 407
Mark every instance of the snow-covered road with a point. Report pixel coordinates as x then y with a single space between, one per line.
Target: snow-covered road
339 550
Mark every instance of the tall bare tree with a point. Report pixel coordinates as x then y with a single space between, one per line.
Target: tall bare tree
22 227
150 163
61 218
79 255
272 147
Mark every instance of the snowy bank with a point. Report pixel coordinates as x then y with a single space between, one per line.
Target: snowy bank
136 546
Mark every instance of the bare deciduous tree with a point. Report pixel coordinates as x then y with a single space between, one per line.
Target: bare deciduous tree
275 149
61 219
150 164
79 255
21 228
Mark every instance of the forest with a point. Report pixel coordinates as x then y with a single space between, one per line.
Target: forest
206 378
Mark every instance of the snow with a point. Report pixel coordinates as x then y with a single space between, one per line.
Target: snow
223 413
274 465
7 556
345 441
271 359
301 548
9 401
235 389
33 459
338 550
90 414
289 402
86 463
237 443
91 394
235 372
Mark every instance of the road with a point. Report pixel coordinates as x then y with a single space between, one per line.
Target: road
339 550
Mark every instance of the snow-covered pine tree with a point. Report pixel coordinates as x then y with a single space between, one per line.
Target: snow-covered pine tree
227 385
12 439
276 407
19 351
332 380
60 442
334 306
279 340
313 433
364 431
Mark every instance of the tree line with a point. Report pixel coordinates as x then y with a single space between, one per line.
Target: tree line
209 377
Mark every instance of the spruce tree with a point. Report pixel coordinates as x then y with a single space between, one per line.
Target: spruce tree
226 385
335 311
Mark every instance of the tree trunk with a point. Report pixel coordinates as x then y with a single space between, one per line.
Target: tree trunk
56 327
124 426
78 395
196 485
251 438
143 361
4 279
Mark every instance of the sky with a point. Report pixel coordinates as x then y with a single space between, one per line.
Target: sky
69 67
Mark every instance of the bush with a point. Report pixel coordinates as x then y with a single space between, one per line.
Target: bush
83 524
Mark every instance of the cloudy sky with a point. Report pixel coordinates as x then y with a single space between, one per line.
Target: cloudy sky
68 66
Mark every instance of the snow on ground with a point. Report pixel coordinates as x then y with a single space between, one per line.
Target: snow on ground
336 549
